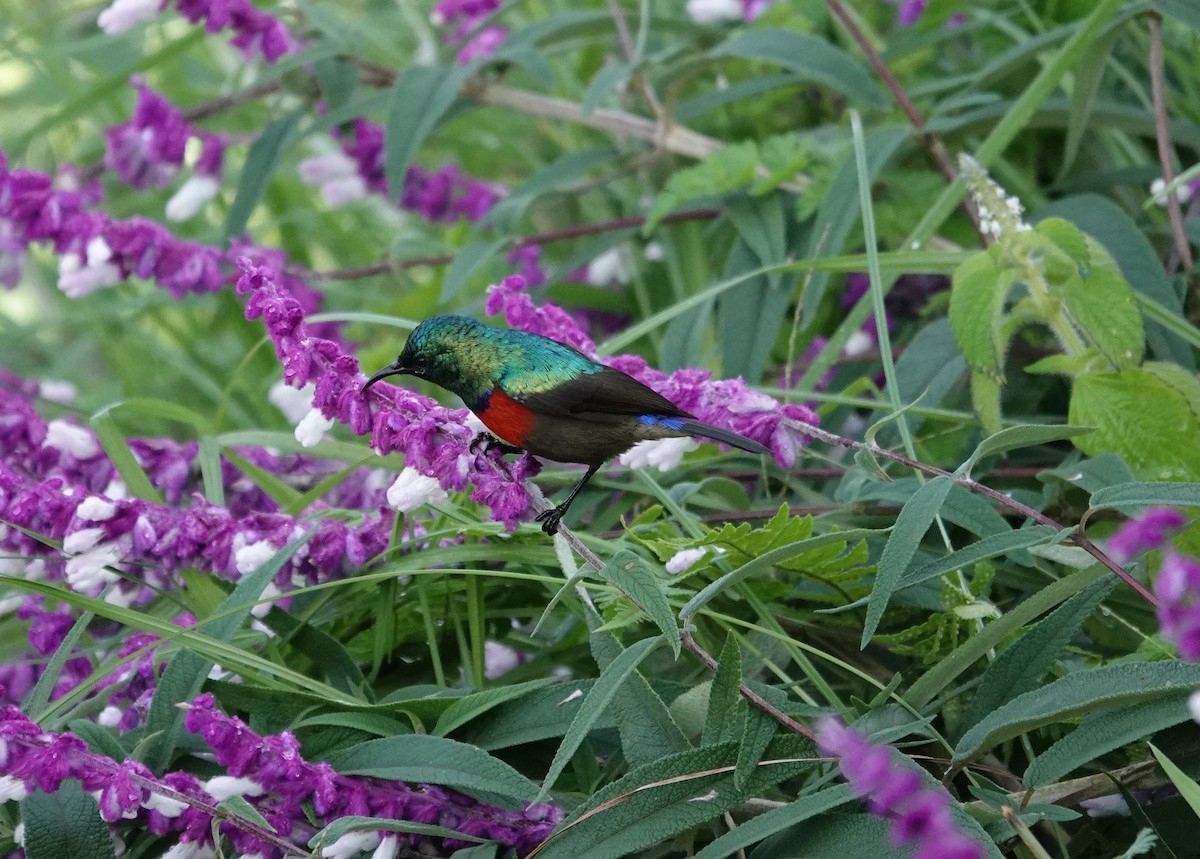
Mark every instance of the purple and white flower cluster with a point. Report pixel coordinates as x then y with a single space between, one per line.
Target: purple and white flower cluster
254 32
919 815
1177 584
295 797
467 17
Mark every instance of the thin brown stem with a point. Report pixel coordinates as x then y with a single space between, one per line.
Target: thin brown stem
932 141
1162 134
211 108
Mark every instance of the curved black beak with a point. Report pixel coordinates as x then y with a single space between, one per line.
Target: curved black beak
393 369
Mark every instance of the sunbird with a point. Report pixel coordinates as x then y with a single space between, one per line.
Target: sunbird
538 395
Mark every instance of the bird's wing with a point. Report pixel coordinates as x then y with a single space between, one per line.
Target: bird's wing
606 391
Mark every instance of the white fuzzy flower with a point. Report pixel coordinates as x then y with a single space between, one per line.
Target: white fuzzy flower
859 343
191 197
607 268
336 175
12 788
82 540
124 15
312 428
190 850
222 787
683 559
663 454
1194 705
261 609
712 11
389 848
57 391
249 558
654 251
295 403
1158 189
164 805
96 509
412 489
71 439
109 717
351 844
78 276
500 659
91 571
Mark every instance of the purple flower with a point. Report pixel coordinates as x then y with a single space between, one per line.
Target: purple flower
528 260
1178 590
910 11
920 815
254 31
1148 531
147 150
482 45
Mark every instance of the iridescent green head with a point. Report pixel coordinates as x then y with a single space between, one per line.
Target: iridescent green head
451 351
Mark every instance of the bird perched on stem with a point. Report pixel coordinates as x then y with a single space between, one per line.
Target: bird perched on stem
539 395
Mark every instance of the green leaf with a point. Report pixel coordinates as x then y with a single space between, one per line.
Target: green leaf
914 520
1101 733
1020 667
643 721
113 441
809 58
467 262
1142 419
261 161
672 795
1102 304
776 820
239 807
727 169
283 494
978 292
751 318
326 652
1013 438
1128 495
40 694
985 400
757 731
630 573
724 701
476 704
355 823
1186 785
419 100
420 758
602 85
1088 73
538 715
187 670
594 703
65 824
1077 694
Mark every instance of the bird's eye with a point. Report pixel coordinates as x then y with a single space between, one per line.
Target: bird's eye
422 362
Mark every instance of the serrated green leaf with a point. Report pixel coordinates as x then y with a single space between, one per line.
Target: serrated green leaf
1101 733
419 99
630 573
672 795
1140 418
1076 694
757 730
1102 304
1069 239
1020 667
476 704
724 702
261 162
914 520
1183 381
727 169
782 156
65 824
420 758
594 703
977 295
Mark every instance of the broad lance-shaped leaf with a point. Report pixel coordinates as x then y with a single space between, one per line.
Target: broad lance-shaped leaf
420 98
634 578
65 824
424 759
1141 418
1134 495
1101 733
914 520
1078 693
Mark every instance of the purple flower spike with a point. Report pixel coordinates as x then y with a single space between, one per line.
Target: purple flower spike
147 150
1178 589
920 815
1143 533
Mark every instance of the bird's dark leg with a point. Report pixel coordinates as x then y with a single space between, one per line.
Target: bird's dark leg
488 443
550 518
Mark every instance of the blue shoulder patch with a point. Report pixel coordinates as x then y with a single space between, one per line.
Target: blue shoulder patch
660 420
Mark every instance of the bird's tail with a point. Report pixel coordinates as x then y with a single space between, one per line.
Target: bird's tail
694 427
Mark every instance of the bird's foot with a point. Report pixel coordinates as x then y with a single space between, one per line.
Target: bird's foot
550 519
485 443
